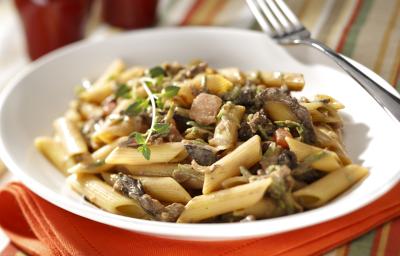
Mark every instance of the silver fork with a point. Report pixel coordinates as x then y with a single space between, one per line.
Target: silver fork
280 23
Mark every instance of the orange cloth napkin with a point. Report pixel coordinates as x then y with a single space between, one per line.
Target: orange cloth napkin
40 228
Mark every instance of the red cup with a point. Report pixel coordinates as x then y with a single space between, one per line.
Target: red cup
130 14
50 24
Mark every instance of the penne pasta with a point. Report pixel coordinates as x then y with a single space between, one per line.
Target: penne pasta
246 155
103 195
97 165
165 189
131 73
329 186
328 161
294 81
223 201
54 152
153 170
234 181
279 111
162 153
107 134
265 208
104 86
190 143
330 140
70 137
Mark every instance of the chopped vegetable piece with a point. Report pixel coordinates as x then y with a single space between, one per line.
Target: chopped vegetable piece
280 137
218 84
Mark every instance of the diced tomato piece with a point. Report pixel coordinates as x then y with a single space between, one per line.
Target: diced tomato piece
280 135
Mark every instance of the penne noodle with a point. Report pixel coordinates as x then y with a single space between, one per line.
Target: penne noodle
131 73
322 112
165 189
330 139
54 152
104 86
103 195
328 162
265 208
223 201
234 181
246 155
161 153
107 134
156 170
232 74
271 79
294 81
279 111
97 165
329 186
70 136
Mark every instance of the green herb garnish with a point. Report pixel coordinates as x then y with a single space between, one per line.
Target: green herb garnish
156 72
158 128
136 108
161 129
141 141
123 91
167 93
170 91
145 150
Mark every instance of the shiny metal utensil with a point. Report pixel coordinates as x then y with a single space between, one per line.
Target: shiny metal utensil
280 23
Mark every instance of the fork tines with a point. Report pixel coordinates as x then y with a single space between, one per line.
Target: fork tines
275 17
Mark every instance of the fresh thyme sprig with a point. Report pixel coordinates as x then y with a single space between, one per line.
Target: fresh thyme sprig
158 128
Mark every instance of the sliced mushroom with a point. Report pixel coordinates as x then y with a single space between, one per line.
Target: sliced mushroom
281 106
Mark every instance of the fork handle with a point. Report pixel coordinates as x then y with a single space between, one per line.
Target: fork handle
389 101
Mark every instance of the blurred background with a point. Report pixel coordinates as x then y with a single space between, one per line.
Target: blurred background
365 30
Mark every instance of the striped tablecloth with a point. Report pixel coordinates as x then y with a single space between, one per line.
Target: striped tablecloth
365 30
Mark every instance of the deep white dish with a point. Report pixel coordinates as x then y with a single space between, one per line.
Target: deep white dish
34 98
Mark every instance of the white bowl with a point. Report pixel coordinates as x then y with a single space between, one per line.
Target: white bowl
37 96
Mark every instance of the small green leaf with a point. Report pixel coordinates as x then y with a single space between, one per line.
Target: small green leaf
139 138
145 150
123 91
159 80
161 129
171 91
156 71
135 108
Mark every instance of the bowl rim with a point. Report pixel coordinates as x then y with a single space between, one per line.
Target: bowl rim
206 232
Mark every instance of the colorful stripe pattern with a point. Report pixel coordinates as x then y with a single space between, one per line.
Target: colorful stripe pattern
365 30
